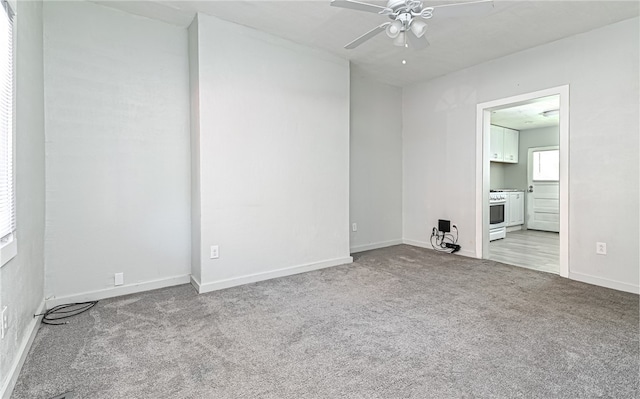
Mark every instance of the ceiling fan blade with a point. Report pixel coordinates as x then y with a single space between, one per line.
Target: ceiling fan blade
462 9
356 5
366 36
417 43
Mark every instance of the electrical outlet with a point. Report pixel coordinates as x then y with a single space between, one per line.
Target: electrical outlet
215 254
4 321
118 279
601 248
354 227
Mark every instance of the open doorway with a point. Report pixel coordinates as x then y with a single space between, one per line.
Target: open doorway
522 181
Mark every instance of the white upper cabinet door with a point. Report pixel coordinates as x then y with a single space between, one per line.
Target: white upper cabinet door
496 144
510 145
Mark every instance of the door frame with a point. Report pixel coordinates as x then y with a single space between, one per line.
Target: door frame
483 122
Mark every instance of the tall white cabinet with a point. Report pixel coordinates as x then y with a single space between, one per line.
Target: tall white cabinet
503 144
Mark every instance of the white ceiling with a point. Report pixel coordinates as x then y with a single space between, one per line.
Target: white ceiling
455 43
528 116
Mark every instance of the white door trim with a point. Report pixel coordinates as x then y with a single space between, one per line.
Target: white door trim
483 122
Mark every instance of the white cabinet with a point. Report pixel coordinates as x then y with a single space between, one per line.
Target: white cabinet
496 143
515 208
503 144
511 138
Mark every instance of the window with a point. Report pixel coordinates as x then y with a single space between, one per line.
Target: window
546 165
8 244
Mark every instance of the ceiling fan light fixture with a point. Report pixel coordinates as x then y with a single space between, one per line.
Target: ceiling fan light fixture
406 13
394 29
419 28
400 40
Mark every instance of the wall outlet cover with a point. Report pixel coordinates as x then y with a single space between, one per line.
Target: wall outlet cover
215 252
118 279
354 227
601 248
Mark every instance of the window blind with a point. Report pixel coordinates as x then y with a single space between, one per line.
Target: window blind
7 192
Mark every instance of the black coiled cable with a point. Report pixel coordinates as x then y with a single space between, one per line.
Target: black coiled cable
53 316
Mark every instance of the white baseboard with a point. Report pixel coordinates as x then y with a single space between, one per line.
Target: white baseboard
421 244
118 291
375 245
603 282
467 253
427 245
21 355
252 278
195 282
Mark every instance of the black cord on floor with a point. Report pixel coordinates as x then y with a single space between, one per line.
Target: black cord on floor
53 316
445 242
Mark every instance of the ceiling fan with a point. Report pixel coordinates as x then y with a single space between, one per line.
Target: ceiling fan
408 28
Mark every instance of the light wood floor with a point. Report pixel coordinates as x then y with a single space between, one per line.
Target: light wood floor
539 250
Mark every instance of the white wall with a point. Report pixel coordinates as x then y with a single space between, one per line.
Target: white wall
274 155
515 175
375 194
22 279
117 150
604 132
496 175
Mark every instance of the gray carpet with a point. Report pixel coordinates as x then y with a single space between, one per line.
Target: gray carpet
400 322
